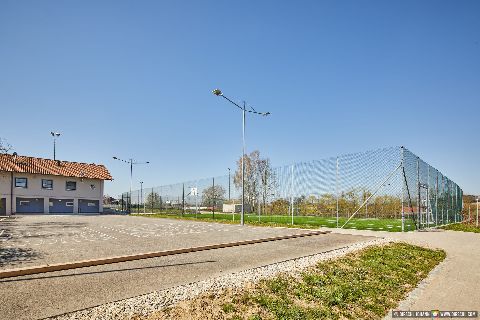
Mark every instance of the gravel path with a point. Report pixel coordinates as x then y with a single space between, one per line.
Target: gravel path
148 303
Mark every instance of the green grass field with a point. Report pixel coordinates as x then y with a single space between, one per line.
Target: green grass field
465 227
360 285
391 225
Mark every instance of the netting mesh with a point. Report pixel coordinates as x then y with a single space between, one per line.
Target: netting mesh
389 188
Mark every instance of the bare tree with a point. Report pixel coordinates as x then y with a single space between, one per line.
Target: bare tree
5 147
268 181
154 200
211 195
260 180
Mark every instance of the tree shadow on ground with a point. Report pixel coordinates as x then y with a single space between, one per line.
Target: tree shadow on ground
13 256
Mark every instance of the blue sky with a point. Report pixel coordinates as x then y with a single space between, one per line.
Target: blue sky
134 79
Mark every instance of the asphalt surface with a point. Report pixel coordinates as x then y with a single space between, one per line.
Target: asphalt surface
36 240
39 240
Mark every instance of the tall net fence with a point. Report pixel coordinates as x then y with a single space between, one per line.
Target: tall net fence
388 189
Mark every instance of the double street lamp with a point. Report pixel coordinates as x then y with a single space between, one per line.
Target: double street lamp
131 162
219 93
55 135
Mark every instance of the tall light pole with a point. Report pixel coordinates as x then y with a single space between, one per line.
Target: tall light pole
131 162
219 93
228 184
55 135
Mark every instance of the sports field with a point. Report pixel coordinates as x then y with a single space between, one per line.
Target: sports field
391 225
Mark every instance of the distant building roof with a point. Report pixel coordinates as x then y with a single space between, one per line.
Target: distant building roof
23 164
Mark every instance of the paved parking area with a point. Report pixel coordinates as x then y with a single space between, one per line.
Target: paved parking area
57 239
38 240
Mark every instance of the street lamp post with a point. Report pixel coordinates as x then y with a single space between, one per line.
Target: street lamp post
131 163
219 93
55 135
228 185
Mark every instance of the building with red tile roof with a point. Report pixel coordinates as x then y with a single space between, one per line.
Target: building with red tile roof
30 185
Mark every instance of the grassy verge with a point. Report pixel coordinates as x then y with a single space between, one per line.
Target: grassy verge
361 285
309 222
462 227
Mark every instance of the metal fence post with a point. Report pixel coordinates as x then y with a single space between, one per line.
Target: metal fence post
443 199
418 195
453 204
403 189
436 199
213 198
336 191
477 213
428 197
291 192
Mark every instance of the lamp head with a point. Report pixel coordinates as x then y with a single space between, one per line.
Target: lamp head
55 134
217 92
115 158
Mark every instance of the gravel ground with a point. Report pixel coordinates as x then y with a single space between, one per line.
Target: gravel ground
148 303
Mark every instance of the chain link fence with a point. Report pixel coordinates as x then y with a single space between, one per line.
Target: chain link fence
388 189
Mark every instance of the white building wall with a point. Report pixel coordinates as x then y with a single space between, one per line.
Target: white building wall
34 189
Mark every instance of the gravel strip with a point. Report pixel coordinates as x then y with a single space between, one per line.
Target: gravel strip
155 301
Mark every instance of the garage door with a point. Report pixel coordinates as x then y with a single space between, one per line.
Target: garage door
29 205
3 206
88 206
60 205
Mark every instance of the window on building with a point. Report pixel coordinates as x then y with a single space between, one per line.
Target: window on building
69 204
21 182
71 186
47 184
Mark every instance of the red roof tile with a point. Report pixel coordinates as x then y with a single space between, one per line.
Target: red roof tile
23 164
